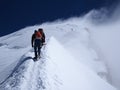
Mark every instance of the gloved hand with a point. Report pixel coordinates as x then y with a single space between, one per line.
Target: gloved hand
43 43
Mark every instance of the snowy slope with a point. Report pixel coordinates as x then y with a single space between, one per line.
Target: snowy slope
27 75
53 71
73 64
66 73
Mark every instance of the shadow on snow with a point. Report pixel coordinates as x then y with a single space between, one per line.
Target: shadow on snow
22 60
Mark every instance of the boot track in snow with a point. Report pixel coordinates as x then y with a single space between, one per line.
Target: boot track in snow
27 75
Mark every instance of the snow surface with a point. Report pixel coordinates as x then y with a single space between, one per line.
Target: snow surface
73 59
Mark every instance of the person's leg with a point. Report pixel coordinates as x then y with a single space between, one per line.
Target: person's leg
39 50
38 45
35 50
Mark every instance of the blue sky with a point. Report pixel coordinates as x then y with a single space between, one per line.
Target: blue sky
17 14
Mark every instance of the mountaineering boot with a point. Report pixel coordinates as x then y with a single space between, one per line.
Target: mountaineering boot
35 58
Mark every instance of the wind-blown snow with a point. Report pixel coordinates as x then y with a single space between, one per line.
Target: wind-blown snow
80 55
66 73
107 39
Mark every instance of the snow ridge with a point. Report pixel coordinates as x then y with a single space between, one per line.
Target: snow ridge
56 70
27 75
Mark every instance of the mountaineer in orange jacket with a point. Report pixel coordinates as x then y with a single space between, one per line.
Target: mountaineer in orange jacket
36 42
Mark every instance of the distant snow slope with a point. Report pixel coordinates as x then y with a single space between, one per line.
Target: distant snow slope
107 39
73 67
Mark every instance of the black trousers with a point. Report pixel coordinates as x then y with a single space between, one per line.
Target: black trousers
37 47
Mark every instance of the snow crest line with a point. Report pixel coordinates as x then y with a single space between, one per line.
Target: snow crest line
27 75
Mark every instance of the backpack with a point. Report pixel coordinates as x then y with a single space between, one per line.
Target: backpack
38 35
